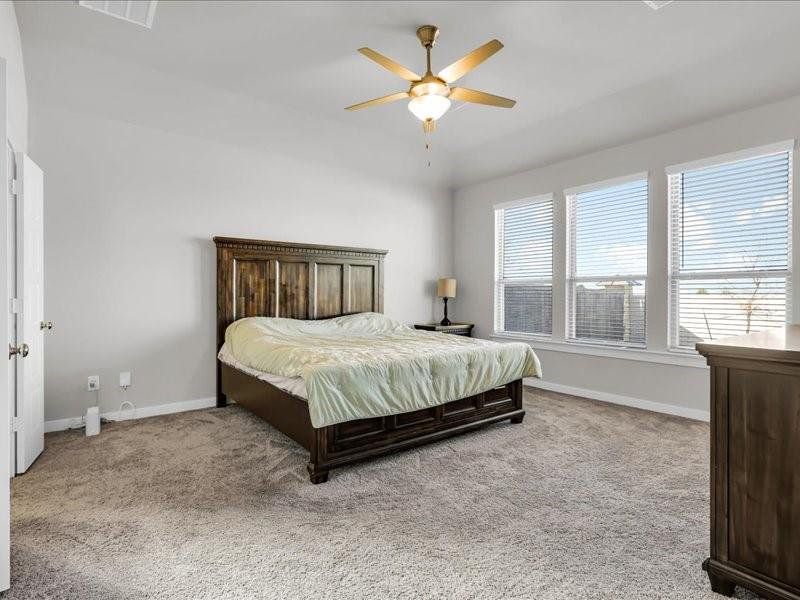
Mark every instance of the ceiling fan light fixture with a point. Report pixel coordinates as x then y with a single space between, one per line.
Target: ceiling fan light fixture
429 107
431 94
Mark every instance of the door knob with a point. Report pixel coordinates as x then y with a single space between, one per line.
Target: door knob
23 350
46 325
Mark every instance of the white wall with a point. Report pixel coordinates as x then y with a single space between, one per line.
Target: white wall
684 388
130 212
11 51
142 168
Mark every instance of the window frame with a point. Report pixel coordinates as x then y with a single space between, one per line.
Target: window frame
674 274
499 283
571 280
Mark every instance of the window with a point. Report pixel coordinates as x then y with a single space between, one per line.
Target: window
524 266
730 263
607 262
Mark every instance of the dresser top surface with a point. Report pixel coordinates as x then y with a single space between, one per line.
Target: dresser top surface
784 343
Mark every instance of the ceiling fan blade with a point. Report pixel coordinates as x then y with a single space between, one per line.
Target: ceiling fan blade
476 97
381 100
388 63
464 65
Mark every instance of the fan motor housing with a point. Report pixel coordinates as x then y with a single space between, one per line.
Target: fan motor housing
430 84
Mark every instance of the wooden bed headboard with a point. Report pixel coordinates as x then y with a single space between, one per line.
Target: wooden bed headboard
299 281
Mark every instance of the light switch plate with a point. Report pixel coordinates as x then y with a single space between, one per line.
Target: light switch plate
93 383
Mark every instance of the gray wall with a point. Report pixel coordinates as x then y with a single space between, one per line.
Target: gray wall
143 167
11 51
129 262
685 387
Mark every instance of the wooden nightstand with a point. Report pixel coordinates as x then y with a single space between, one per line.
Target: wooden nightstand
464 329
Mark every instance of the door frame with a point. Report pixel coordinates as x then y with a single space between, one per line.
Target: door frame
11 286
5 401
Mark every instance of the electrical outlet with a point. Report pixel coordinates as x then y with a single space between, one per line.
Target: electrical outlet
93 383
125 380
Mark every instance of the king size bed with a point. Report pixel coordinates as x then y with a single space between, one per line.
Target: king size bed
302 343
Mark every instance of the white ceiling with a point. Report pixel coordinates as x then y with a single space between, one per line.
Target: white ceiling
586 75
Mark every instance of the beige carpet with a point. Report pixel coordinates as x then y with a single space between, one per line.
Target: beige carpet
583 500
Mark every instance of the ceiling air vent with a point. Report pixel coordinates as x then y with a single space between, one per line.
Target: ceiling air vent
140 12
656 4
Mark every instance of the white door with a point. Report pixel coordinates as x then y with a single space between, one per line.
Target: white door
29 422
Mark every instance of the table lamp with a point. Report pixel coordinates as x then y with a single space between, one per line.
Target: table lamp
446 288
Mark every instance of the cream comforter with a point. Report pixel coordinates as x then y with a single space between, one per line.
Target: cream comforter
367 365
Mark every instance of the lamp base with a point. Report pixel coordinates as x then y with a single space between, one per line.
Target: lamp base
445 321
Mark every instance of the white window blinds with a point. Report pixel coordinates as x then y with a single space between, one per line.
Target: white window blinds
607 262
524 267
730 247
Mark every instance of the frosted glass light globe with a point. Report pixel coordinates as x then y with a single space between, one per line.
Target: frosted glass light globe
429 106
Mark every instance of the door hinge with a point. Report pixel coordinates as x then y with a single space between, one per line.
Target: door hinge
14 306
16 424
16 187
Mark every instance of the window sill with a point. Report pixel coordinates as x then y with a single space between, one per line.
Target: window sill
688 358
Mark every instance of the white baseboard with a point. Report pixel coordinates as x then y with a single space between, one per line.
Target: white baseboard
176 407
669 409
139 413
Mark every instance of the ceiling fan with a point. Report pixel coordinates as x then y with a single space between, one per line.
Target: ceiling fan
431 94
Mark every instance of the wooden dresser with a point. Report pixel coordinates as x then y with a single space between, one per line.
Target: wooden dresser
755 463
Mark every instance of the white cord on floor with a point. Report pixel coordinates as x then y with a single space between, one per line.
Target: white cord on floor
129 403
119 412
76 423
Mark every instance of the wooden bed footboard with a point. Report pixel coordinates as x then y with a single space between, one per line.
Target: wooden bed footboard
345 443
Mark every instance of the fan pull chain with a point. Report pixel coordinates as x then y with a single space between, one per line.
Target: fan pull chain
428 146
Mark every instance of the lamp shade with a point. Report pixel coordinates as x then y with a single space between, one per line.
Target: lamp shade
446 288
